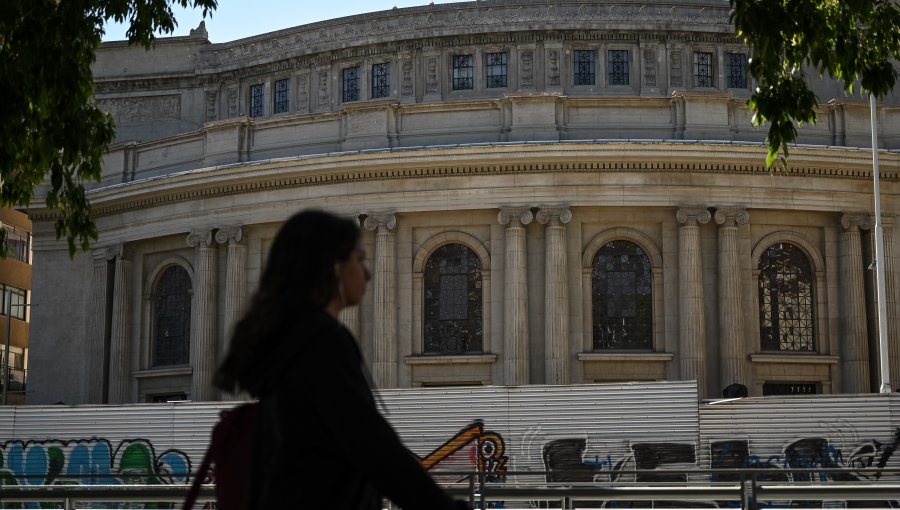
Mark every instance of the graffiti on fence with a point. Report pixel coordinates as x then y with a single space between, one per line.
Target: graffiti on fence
470 449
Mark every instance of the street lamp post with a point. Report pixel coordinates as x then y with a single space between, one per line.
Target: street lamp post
879 260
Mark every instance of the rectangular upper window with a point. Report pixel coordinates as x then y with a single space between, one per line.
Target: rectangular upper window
463 72
618 67
282 94
350 89
256 100
703 69
496 70
584 67
13 301
381 80
736 64
18 243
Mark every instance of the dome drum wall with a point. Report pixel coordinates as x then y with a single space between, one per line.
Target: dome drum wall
621 160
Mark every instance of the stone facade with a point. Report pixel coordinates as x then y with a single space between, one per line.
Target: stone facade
512 129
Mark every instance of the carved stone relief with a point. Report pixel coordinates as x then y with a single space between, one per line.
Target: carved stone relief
303 92
526 69
232 101
211 101
432 86
406 78
142 109
649 65
553 77
676 78
323 101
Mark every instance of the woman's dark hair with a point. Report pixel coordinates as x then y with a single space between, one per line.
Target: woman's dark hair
299 278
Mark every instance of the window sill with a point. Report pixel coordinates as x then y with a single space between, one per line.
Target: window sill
454 359
794 358
625 356
164 372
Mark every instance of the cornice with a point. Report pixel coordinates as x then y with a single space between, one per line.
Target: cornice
473 161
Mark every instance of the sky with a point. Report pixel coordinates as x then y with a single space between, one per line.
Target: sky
236 19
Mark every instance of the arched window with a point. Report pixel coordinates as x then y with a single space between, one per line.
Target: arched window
622 306
172 318
786 300
453 306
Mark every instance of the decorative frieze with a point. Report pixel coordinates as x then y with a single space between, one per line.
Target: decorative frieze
432 85
212 99
232 100
323 102
406 77
553 73
302 92
676 77
526 69
648 61
142 109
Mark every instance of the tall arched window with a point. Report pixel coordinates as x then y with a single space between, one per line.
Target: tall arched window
621 290
453 307
786 300
172 318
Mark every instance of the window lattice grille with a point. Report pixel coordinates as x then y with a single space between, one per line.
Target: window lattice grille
172 338
350 89
282 93
618 67
703 69
737 70
381 80
584 67
463 72
496 70
256 100
453 301
786 321
621 282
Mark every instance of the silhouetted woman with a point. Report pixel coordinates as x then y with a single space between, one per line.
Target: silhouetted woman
323 442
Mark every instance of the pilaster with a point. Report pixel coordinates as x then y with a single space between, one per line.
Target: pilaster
515 318
98 330
120 345
235 275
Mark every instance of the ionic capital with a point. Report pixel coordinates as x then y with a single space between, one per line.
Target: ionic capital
230 235
731 216
554 215
200 238
522 215
382 222
854 221
119 251
690 216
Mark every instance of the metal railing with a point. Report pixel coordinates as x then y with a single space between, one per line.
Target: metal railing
746 489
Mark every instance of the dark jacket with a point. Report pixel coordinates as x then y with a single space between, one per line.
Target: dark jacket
323 441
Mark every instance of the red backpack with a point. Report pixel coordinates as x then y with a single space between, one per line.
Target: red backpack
231 451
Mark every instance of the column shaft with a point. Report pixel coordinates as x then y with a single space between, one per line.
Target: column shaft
98 332
120 344
854 330
516 297
731 324
556 295
203 330
692 328
384 338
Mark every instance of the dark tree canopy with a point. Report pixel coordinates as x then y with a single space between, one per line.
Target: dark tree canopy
853 41
49 126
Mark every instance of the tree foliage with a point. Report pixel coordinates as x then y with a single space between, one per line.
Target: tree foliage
853 41
49 126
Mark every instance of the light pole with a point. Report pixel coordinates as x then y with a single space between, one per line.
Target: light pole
9 305
879 260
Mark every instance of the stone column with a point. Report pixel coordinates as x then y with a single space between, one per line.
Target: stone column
384 338
731 312
97 334
556 294
349 315
891 291
854 328
515 317
692 330
203 325
235 275
120 341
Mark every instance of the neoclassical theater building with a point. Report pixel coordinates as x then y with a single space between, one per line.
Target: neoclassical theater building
554 192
